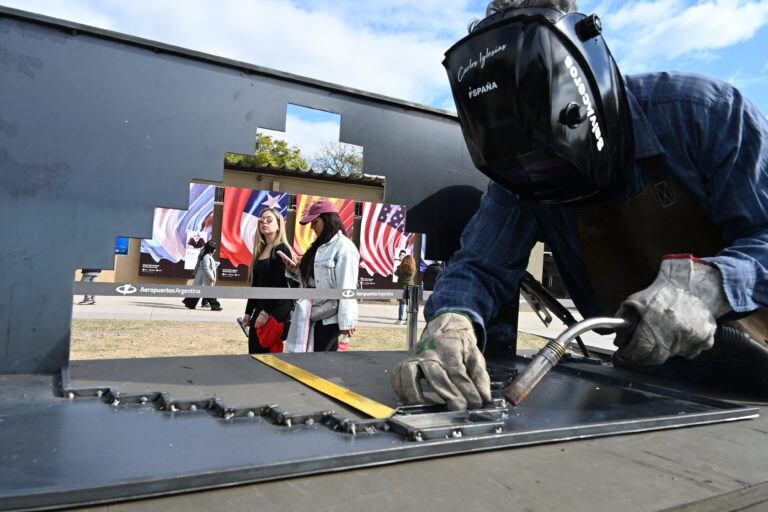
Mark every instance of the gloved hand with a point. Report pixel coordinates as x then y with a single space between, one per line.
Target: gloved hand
448 357
677 313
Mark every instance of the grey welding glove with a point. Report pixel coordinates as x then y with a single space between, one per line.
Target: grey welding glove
677 314
448 357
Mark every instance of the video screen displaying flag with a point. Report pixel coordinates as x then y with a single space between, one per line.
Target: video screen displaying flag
178 236
383 244
239 226
303 236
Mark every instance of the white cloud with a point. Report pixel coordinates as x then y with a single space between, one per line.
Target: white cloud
306 135
424 16
395 47
744 81
666 29
390 47
645 13
80 12
448 104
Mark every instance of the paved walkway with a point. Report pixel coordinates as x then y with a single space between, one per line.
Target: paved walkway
371 315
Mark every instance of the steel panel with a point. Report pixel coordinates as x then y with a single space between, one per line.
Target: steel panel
85 450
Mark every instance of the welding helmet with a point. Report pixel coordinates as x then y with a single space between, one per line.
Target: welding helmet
542 105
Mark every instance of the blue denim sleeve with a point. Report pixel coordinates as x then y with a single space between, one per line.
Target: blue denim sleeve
735 178
484 273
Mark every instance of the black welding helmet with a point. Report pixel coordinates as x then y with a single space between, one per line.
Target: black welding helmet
542 105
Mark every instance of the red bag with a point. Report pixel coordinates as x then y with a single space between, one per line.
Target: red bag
270 335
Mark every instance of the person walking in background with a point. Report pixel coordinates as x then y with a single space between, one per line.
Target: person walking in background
331 262
205 275
268 319
404 273
89 275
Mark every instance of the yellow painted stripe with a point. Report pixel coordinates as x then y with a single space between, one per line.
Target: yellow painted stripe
344 395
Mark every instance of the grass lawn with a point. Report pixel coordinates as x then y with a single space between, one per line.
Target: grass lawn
123 339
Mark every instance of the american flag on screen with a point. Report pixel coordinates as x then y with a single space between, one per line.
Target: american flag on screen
382 234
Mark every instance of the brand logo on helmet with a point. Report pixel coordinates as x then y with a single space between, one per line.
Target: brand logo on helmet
585 99
482 57
473 93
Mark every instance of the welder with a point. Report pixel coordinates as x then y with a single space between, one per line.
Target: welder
651 191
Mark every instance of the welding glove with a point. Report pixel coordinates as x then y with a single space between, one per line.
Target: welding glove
676 315
448 357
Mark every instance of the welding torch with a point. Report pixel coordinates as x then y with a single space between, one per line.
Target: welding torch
516 391
552 352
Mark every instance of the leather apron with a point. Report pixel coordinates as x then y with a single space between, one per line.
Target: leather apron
623 243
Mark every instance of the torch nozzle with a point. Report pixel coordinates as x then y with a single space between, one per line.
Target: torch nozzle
551 354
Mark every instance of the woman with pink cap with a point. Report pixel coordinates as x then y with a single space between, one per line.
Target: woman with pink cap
331 262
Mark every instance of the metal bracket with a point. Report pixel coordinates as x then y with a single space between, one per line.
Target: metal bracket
420 423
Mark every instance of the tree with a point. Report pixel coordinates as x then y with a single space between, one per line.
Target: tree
339 159
270 152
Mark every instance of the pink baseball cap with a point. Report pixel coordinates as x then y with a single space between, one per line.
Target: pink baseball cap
318 207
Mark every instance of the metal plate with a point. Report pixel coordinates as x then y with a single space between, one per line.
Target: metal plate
85 450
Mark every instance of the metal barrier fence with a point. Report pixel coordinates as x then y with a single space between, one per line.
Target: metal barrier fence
412 294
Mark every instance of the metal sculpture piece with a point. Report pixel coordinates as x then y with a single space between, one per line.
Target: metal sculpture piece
97 129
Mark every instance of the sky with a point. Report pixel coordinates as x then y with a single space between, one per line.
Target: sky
395 47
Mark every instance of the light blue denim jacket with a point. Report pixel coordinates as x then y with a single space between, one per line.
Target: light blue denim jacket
716 143
336 265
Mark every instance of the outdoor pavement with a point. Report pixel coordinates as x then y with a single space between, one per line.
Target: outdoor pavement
371 315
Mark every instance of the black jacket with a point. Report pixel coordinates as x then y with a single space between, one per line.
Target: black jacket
271 275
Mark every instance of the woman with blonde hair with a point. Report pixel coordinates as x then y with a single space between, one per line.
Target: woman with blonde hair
268 319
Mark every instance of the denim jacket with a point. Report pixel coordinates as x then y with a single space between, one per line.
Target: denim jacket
336 266
715 142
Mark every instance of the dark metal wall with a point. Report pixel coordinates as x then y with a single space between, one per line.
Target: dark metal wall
98 128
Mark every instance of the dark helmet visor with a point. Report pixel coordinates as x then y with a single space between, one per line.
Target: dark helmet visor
542 106
542 176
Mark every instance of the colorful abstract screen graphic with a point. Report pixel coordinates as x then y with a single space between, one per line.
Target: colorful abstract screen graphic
178 236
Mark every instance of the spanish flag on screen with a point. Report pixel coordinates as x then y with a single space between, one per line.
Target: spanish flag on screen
303 235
